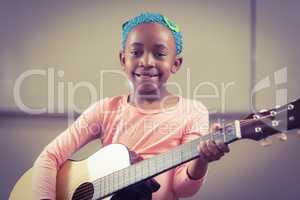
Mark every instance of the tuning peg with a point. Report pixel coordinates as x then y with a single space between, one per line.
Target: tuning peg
290 107
273 113
282 137
266 142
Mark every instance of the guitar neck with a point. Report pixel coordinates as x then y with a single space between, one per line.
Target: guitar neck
158 164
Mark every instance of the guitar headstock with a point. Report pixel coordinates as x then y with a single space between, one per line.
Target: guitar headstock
261 125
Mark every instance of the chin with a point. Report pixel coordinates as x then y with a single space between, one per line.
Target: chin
149 93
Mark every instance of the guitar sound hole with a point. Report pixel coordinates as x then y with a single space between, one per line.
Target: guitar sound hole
84 191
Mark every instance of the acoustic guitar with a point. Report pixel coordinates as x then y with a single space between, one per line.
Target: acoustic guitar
87 179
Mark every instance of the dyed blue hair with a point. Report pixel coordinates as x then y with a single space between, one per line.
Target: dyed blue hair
153 18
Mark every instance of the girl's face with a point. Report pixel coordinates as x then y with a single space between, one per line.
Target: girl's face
149 58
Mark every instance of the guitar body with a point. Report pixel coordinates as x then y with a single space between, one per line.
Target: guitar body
74 173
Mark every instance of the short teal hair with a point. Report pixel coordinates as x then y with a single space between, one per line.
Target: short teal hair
153 18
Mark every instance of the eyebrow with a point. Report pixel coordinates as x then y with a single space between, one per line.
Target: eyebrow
160 46
137 44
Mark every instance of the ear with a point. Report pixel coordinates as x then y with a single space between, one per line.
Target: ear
122 59
177 64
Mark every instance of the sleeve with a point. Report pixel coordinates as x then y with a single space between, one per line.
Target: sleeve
198 125
86 128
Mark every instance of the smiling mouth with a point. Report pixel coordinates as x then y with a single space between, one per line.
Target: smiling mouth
145 75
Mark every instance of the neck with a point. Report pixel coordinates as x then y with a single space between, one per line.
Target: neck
149 101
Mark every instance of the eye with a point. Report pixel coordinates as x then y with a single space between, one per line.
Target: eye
159 54
136 52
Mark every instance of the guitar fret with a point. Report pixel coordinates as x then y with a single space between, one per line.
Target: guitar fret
177 155
138 171
126 176
194 149
115 180
189 150
111 179
184 153
169 160
120 178
148 167
224 135
145 168
132 174
152 166
162 162
106 188
102 186
158 163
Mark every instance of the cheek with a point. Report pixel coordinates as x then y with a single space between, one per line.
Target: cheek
167 71
131 64
128 66
165 77
129 76
127 72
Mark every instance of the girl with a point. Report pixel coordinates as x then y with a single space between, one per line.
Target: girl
149 120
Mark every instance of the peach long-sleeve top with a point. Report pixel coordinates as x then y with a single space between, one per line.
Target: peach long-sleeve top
148 133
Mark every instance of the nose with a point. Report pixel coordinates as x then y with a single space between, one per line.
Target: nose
147 60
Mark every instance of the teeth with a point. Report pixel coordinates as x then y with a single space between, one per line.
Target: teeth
145 75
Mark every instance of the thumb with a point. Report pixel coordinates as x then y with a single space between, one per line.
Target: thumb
134 157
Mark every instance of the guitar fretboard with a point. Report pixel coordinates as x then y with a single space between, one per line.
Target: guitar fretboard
148 168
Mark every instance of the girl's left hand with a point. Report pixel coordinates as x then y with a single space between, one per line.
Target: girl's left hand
211 150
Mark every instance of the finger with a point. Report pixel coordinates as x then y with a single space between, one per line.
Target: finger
215 151
222 147
215 127
204 152
210 151
134 157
